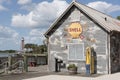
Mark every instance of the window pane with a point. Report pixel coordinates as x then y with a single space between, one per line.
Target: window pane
71 52
76 51
79 51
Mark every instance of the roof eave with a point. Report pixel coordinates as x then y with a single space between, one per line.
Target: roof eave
58 19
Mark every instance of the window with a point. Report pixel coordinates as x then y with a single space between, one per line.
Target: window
76 51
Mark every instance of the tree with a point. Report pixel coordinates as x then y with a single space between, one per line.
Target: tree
28 47
118 17
34 48
43 49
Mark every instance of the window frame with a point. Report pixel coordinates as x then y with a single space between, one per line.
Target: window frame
75 59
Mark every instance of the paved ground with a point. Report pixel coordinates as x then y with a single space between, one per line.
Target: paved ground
33 72
21 76
41 73
62 77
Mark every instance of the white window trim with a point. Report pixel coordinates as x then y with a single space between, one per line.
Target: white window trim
76 59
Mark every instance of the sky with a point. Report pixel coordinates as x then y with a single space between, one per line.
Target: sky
31 18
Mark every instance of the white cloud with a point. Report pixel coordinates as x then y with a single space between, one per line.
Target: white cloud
23 2
9 44
35 36
6 32
2 8
38 33
33 39
6 1
44 13
9 38
104 6
114 8
28 7
41 16
23 20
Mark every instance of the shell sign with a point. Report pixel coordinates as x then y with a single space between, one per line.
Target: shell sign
75 29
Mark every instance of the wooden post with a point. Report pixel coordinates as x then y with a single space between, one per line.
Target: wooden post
25 64
10 61
8 64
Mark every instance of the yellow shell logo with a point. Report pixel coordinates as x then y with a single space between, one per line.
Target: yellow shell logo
75 29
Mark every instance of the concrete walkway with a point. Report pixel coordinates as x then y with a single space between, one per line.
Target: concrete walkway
41 73
62 77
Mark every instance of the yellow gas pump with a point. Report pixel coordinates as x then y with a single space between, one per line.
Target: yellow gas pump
88 55
90 61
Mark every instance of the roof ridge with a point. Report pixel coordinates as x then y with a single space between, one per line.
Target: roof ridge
94 9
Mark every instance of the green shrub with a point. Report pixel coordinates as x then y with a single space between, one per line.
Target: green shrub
72 66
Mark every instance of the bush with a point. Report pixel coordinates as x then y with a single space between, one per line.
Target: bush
72 66
72 69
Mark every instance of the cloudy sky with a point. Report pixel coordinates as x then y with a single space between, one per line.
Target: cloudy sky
31 18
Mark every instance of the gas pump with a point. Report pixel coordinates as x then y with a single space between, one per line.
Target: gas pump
90 61
93 61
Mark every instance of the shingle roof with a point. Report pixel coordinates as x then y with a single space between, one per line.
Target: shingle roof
107 22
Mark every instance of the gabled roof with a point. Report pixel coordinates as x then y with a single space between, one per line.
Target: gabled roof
106 22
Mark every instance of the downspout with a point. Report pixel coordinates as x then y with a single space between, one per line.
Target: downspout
109 53
48 54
